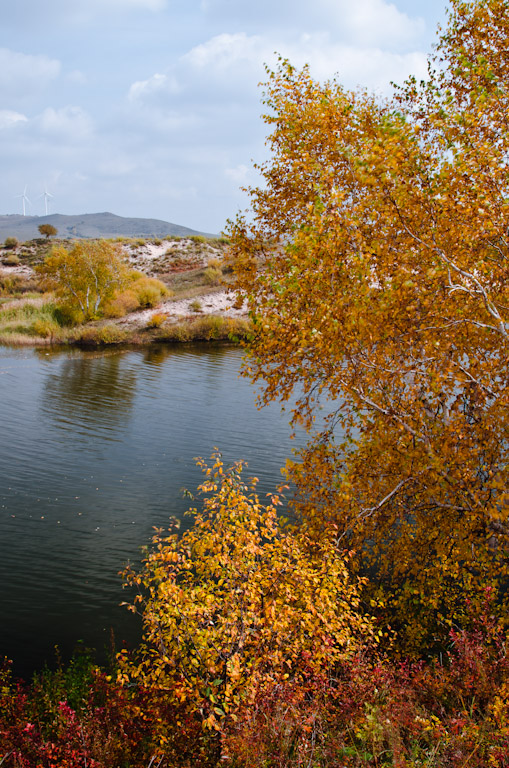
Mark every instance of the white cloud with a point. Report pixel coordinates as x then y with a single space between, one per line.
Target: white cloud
9 118
366 22
71 124
374 22
239 174
22 75
156 85
225 51
355 66
227 59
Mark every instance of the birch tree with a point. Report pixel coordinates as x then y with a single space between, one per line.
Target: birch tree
375 264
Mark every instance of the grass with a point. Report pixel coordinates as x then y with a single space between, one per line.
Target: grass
207 328
31 321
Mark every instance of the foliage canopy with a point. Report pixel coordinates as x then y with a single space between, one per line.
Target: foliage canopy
85 276
48 230
376 270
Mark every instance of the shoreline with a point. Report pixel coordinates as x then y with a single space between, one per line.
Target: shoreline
203 306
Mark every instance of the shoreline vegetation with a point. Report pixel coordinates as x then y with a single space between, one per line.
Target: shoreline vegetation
181 294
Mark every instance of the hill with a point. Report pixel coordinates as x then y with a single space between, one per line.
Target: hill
90 225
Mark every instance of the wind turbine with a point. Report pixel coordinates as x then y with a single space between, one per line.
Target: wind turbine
47 197
25 200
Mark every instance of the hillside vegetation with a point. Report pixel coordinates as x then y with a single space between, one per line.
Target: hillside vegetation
161 291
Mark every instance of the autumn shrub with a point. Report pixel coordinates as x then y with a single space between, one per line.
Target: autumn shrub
69 314
208 328
10 242
211 327
212 275
178 332
156 320
79 717
121 304
46 328
19 285
237 601
9 285
11 260
148 291
101 335
376 711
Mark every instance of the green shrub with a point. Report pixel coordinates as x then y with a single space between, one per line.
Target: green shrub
10 242
69 314
195 306
198 239
45 327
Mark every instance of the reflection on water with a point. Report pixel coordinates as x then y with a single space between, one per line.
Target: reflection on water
95 391
95 451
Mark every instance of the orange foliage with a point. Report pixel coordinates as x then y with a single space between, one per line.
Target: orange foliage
376 268
237 602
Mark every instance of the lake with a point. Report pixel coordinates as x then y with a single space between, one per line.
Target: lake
96 450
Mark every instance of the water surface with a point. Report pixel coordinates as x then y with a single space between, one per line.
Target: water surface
95 451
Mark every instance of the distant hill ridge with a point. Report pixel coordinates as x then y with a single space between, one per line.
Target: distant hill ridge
91 225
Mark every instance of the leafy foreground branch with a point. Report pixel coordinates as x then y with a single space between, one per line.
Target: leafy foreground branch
258 653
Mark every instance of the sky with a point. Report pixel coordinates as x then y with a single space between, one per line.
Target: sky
152 108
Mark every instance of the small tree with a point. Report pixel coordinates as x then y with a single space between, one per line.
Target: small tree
238 602
375 267
48 230
86 276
